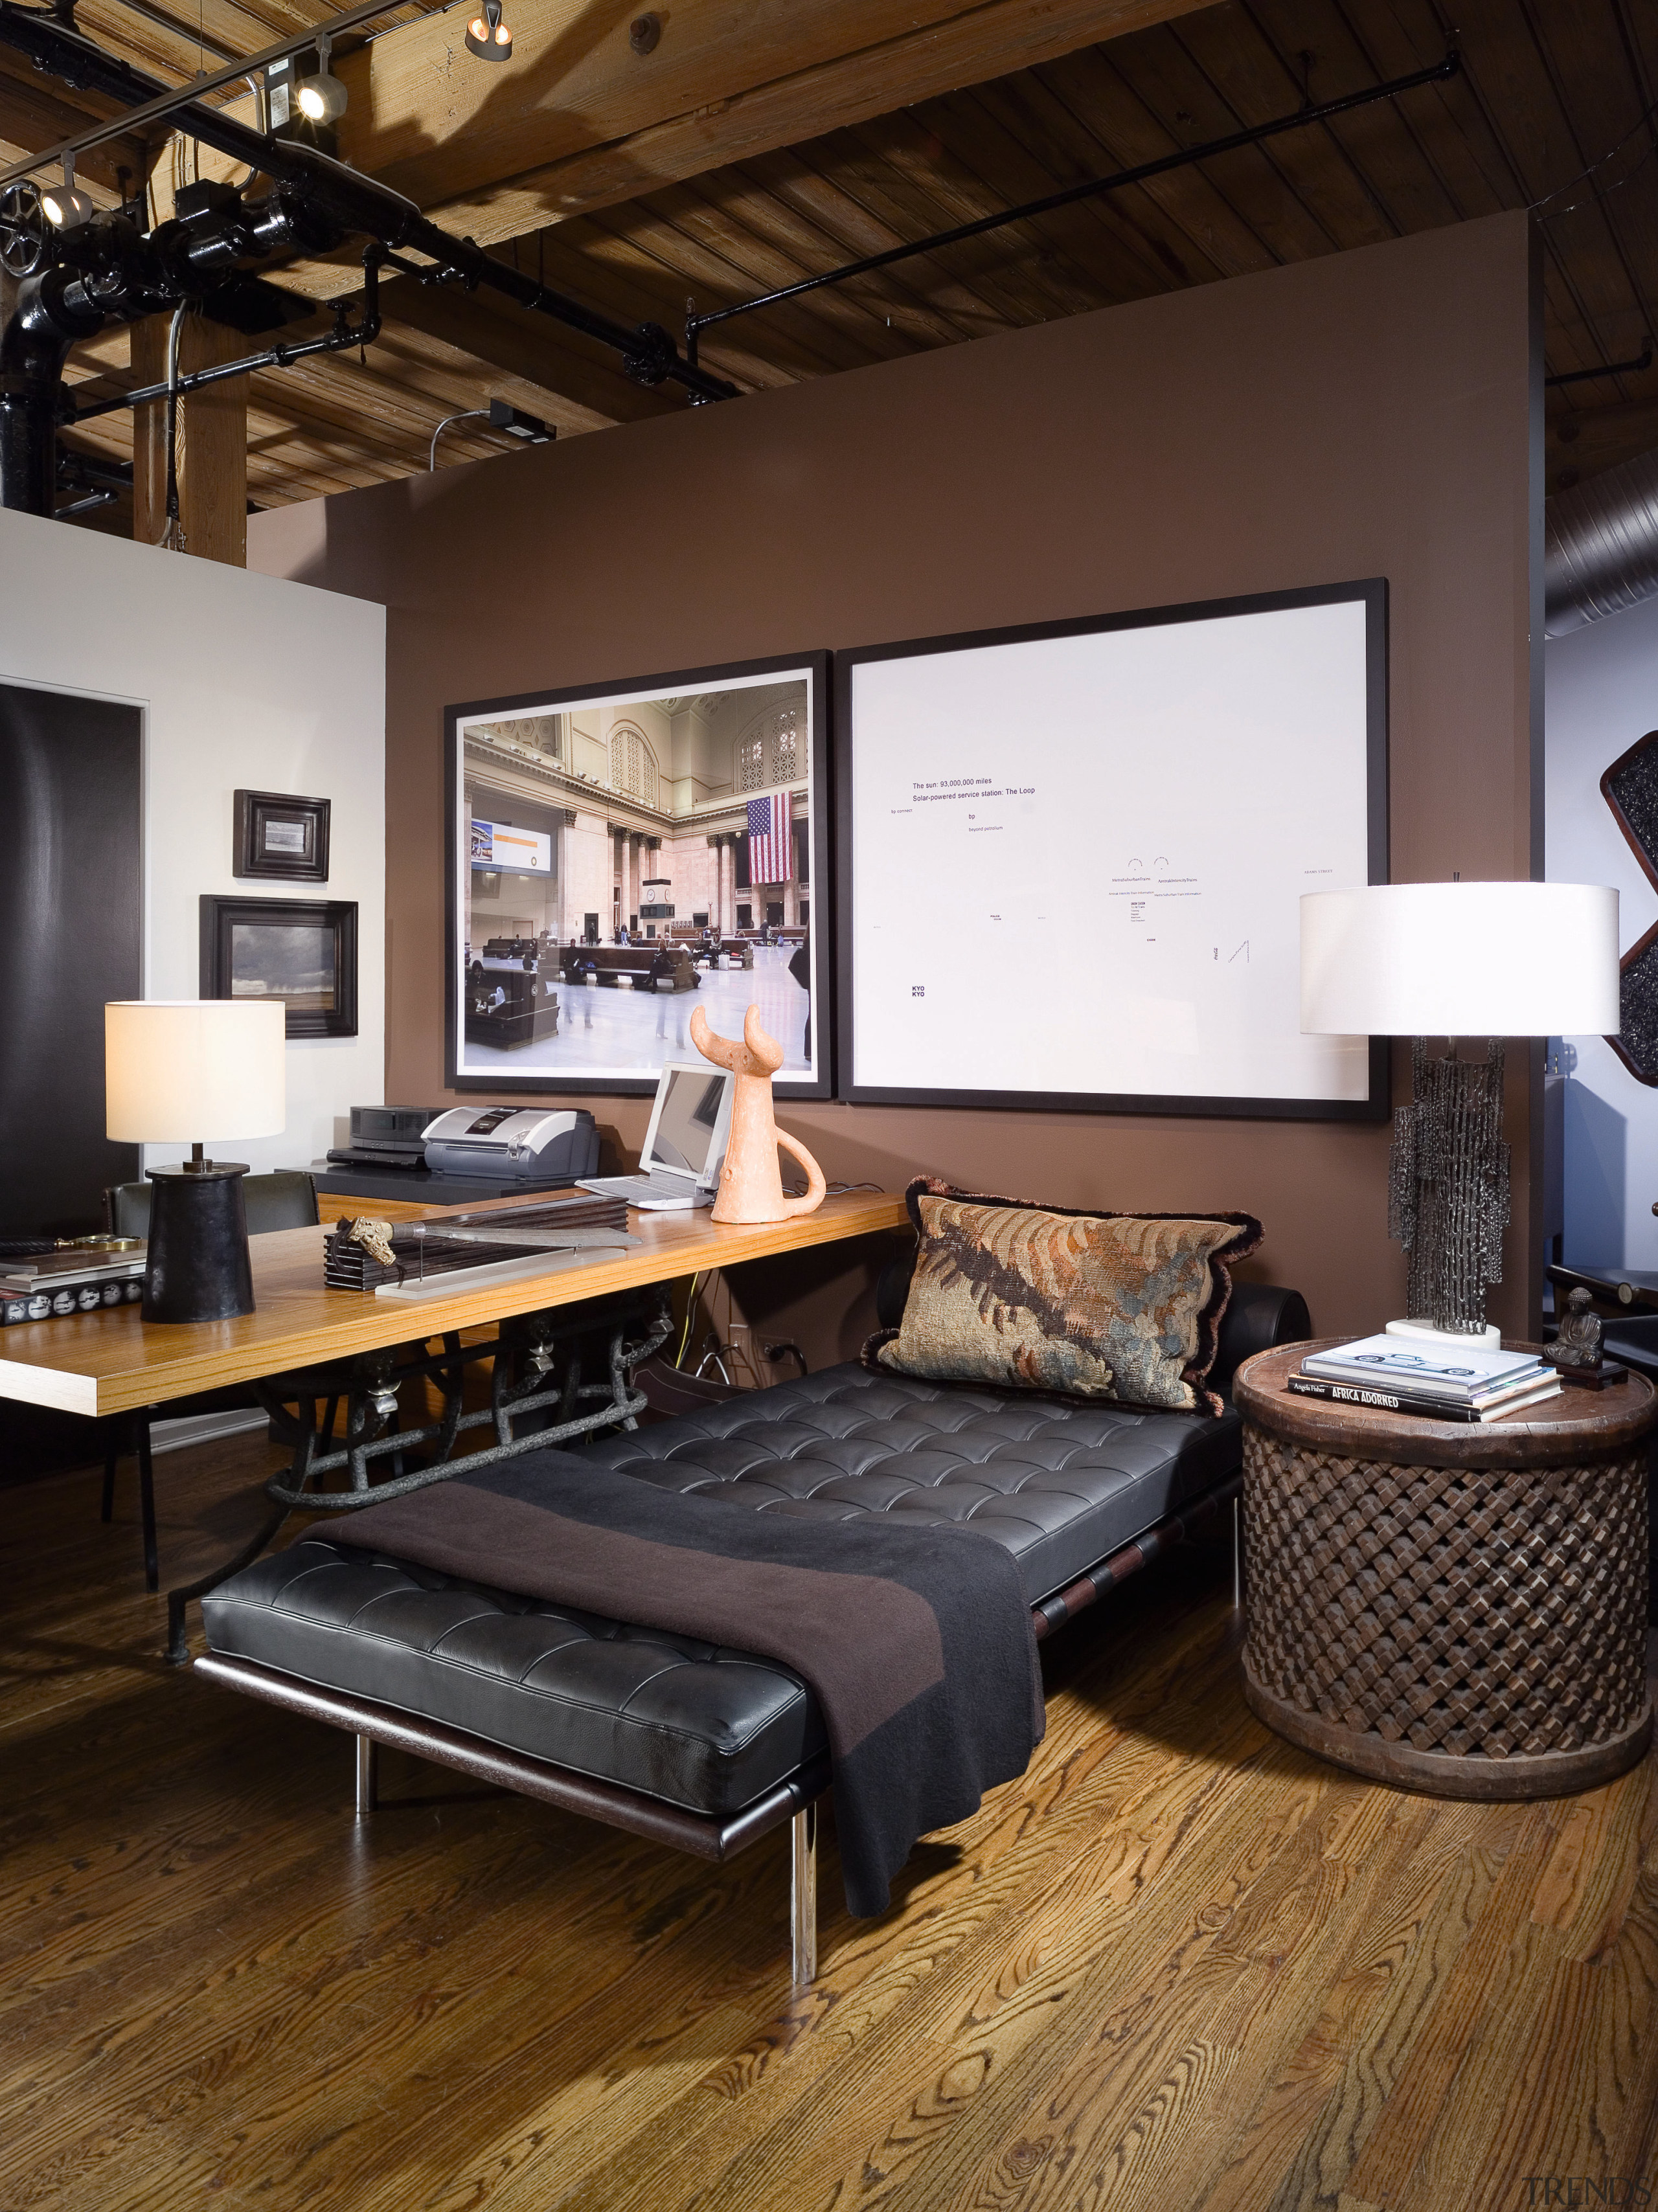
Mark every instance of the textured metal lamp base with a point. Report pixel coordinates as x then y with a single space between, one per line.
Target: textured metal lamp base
1448 1186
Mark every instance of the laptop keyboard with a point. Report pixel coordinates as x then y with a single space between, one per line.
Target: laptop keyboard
646 1190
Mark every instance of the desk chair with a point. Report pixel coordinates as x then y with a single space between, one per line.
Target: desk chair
273 1201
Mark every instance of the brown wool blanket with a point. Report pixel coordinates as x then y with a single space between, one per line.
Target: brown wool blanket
917 1642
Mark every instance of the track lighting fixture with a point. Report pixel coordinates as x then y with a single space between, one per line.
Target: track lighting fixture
487 36
501 415
518 422
63 205
322 98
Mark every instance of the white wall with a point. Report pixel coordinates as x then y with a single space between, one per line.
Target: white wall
246 682
1601 694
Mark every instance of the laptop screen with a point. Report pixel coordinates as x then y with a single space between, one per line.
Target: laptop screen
686 1122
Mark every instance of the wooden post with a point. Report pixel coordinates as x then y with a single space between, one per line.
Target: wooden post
212 442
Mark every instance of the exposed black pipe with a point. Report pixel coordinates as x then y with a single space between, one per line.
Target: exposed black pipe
695 325
320 202
78 469
1643 360
34 345
343 338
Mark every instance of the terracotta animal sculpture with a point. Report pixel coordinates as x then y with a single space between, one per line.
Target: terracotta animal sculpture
751 1189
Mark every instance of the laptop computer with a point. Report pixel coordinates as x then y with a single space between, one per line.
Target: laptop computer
685 1146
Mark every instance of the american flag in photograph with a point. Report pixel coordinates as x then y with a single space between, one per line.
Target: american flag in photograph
768 839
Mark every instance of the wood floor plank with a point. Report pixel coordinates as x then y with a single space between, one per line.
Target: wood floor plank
1177 1963
988 2010
1113 2120
1494 1958
1301 2135
1118 1813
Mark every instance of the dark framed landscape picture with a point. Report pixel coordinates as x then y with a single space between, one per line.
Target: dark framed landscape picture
303 951
280 834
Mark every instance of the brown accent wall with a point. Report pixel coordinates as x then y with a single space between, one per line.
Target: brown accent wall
1369 413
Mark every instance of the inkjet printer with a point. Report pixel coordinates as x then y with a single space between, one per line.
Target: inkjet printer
525 1146
385 1137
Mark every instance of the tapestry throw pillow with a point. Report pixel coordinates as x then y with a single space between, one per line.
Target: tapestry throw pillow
1122 1308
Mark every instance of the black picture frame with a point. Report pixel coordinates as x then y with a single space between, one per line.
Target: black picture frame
1376 1106
818 669
268 825
220 919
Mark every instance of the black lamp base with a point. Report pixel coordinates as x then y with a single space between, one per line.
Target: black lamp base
196 1267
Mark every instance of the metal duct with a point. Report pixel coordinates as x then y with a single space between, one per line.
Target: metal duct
1601 546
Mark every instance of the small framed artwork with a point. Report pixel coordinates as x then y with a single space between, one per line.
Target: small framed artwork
277 834
303 951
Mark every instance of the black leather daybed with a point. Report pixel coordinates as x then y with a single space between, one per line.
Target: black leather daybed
709 1749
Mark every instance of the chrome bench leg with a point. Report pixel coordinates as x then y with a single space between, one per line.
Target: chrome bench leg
368 1776
803 1895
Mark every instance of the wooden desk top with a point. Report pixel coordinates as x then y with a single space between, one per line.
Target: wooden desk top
111 1361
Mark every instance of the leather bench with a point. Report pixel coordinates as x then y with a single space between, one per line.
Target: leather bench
704 1747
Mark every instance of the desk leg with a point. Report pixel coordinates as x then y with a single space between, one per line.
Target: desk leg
177 1653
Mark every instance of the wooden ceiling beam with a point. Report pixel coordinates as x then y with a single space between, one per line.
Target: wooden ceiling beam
34 114
578 120
575 386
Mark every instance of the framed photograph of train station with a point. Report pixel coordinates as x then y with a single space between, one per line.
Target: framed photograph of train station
622 852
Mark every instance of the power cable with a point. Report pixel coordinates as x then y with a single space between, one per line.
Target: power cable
173 535
690 1309
467 415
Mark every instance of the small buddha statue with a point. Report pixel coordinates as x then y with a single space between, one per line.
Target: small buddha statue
1578 1344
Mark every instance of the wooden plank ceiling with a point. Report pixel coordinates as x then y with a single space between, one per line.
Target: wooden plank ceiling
703 170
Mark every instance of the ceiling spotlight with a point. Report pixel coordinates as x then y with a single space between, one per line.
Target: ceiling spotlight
487 36
322 97
64 207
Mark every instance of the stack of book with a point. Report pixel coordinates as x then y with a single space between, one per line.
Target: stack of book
49 1285
1402 1375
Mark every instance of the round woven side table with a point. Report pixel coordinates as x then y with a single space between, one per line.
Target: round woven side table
1457 1610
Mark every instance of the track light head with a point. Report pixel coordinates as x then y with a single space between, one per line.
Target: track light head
487 36
64 207
321 98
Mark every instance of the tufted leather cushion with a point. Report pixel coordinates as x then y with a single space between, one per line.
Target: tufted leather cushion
700 1726
1061 1484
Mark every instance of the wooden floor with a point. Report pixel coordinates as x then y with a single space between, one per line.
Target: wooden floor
1179 1964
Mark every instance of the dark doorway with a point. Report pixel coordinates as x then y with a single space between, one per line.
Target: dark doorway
774 912
745 917
72 931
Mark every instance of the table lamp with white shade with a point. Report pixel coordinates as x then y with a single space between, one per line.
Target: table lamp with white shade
175 1071
1456 960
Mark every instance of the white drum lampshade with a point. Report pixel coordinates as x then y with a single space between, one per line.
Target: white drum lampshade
1457 960
183 1070
1460 960
176 1070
